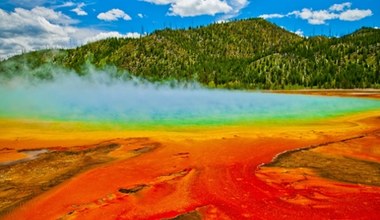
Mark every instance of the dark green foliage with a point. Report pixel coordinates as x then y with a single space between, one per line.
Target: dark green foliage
247 54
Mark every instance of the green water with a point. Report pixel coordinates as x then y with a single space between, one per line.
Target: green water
138 106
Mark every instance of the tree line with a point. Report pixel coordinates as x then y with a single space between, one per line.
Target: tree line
245 54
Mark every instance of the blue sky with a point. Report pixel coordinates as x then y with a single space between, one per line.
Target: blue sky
27 25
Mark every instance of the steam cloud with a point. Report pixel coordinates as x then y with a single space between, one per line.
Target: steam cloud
99 96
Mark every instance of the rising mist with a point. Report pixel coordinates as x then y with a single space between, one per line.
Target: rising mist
121 98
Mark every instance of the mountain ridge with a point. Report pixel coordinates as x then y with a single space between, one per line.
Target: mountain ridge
244 54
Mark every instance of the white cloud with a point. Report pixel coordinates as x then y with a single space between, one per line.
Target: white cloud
315 17
140 15
160 2
318 17
28 16
65 5
133 35
340 7
25 30
237 6
299 32
269 16
114 34
79 9
354 14
114 15
191 8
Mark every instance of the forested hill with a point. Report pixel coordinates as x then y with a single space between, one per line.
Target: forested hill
246 54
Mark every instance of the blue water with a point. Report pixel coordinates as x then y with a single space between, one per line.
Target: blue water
76 99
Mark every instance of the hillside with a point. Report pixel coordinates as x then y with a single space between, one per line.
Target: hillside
246 54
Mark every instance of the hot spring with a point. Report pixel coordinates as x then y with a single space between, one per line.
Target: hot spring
100 98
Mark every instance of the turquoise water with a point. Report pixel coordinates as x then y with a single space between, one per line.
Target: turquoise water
75 99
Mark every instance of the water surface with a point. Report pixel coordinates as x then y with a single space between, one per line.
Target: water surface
72 98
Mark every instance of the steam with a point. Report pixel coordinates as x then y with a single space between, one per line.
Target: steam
120 98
